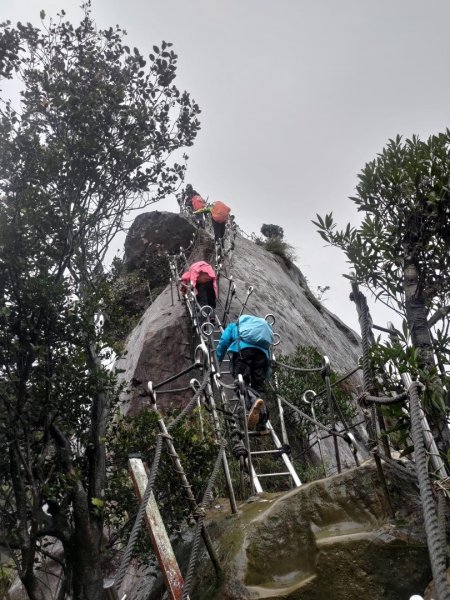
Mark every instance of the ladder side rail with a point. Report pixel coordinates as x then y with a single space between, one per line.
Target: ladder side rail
286 459
209 394
219 436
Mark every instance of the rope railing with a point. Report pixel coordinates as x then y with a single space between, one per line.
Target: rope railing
126 559
436 547
366 397
303 370
200 523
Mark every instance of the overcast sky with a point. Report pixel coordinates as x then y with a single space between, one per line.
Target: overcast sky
296 96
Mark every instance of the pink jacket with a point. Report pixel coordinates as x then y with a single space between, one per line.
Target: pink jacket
195 270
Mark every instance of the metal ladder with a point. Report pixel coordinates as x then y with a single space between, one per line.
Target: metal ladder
278 448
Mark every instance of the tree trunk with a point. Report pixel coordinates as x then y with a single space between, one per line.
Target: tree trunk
417 318
85 555
416 314
34 591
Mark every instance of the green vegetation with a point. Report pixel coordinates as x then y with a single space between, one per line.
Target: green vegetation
401 253
130 293
292 387
96 135
197 454
275 243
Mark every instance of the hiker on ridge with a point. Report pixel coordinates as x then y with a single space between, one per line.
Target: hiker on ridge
248 342
203 278
194 202
219 216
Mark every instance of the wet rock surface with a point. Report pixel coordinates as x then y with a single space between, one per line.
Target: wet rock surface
332 538
300 317
162 343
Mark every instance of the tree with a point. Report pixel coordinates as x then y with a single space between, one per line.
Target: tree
401 250
95 136
272 231
275 243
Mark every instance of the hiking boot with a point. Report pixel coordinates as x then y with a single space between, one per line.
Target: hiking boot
261 427
253 415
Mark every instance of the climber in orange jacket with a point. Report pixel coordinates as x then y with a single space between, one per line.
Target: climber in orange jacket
219 216
203 278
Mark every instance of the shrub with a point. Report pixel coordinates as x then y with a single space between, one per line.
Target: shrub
278 246
272 231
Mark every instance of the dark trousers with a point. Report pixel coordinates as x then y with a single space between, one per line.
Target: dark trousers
253 365
199 220
206 294
219 230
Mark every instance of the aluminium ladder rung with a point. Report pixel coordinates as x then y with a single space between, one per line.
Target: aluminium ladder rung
277 451
259 433
281 473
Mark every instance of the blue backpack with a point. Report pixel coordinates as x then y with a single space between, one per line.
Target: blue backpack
255 331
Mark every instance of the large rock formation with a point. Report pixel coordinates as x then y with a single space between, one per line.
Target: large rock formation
155 233
161 344
332 538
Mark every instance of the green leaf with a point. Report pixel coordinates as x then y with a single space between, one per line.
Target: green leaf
98 502
319 218
405 329
329 220
406 451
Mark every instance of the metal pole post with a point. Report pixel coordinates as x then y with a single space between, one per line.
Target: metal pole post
249 293
185 483
110 591
326 377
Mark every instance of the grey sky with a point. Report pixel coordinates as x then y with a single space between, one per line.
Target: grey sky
296 96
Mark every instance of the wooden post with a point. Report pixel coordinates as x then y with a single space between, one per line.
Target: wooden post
110 590
158 534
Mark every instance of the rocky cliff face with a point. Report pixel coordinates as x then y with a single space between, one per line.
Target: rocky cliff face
161 344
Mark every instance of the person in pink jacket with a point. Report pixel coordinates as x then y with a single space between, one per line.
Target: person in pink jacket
203 278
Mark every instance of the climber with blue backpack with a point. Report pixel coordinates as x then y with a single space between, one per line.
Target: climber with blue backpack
248 343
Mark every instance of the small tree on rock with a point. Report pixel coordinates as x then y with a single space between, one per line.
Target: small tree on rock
401 250
272 231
